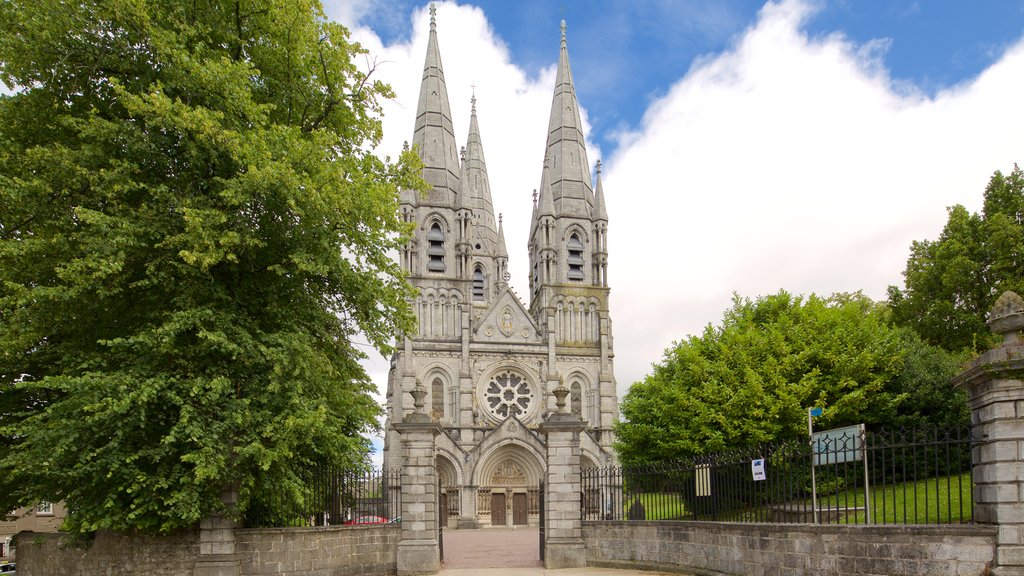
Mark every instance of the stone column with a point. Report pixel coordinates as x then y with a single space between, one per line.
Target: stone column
564 547
217 542
418 551
995 394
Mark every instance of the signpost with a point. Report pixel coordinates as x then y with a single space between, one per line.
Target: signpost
837 446
811 414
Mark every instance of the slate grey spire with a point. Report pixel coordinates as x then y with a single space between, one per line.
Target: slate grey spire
434 137
476 187
600 211
502 251
501 258
568 172
547 205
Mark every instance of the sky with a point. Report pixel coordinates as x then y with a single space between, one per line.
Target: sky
747 147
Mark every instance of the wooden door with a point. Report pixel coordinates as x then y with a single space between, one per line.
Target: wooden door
498 509
519 515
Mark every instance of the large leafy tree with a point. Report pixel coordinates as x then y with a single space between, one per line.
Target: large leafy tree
952 282
192 234
750 380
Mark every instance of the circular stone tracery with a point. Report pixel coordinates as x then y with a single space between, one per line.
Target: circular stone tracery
508 394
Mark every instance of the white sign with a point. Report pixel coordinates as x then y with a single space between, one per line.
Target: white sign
838 445
703 480
757 469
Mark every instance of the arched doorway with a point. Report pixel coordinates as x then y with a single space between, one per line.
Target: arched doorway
449 504
509 493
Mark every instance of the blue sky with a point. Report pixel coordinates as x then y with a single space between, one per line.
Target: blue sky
626 54
747 147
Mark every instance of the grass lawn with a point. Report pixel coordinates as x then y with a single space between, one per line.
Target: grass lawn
941 500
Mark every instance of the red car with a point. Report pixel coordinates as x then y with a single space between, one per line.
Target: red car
366 520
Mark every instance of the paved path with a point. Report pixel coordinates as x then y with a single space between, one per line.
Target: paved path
492 548
508 552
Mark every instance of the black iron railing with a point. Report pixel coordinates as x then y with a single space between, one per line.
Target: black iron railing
334 497
900 477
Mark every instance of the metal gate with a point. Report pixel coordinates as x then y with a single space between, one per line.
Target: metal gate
541 521
442 519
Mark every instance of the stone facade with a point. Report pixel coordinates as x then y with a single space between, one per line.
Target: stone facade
709 548
487 361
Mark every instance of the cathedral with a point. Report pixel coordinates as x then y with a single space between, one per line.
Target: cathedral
488 362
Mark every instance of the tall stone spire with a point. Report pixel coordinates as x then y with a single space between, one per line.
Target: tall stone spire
476 188
568 170
600 210
434 137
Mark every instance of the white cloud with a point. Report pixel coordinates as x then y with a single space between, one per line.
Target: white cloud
790 163
784 162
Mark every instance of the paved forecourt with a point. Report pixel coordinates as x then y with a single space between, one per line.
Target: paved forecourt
508 552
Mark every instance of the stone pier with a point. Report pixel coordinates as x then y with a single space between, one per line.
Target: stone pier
995 394
418 551
564 545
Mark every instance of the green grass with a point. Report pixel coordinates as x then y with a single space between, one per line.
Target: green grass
941 500
933 501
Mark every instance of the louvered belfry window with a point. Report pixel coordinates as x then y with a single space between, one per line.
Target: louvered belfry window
435 249
575 258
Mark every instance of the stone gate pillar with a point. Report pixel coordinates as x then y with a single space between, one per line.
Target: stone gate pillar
217 542
995 394
564 547
418 552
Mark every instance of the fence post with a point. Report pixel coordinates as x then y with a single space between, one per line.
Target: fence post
418 551
564 547
995 394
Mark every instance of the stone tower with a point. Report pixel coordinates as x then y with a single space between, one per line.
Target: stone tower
488 362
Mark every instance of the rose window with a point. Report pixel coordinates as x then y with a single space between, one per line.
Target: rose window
508 394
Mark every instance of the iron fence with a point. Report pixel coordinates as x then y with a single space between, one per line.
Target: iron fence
886 477
334 497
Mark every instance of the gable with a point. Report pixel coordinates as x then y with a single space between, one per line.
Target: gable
507 321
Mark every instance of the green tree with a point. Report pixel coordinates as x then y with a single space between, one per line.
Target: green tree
750 381
951 283
192 234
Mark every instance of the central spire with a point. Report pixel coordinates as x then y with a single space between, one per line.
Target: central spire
568 170
434 136
476 187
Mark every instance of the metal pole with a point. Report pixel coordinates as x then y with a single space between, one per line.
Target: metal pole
867 489
814 483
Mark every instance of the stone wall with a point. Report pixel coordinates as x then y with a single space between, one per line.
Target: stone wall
709 548
107 554
322 551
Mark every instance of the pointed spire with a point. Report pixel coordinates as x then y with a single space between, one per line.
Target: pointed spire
434 136
533 216
600 212
502 251
476 187
547 205
569 173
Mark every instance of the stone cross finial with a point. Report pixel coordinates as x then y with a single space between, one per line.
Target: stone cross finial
1007 317
433 13
462 153
418 395
534 195
598 165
